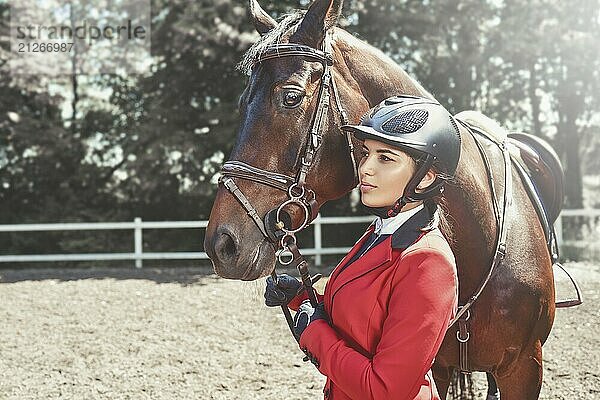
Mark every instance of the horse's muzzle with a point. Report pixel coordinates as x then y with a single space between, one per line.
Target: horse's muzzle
226 246
232 260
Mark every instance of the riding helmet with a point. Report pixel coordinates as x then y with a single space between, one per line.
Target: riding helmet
416 125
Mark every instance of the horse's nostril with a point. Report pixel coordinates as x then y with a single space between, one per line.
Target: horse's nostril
225 246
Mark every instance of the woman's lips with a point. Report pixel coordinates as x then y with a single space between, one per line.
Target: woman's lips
365 187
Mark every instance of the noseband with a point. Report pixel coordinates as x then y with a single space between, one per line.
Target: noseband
298 194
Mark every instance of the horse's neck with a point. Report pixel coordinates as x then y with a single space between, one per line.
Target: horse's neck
377 75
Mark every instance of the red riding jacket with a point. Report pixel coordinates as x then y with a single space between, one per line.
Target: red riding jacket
389 312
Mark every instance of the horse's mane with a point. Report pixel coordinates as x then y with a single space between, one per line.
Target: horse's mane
274 36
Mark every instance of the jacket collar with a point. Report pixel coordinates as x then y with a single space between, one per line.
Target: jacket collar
412 229
387 226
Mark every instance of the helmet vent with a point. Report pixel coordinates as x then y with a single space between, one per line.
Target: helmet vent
407 122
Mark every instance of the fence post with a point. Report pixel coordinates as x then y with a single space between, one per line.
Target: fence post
137 242
318 243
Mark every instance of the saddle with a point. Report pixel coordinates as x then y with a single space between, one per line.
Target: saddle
542 165
536 162
542 175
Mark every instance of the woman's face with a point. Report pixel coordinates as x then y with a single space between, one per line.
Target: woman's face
384 173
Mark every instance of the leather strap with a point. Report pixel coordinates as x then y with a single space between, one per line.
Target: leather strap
345 121
243 200
294 50
239 169
501 223
463 335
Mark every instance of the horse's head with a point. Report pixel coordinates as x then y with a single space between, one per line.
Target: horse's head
287 93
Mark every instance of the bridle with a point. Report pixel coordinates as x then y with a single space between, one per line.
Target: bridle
298 193
295 187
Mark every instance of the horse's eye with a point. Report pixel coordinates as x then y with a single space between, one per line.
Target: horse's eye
292 98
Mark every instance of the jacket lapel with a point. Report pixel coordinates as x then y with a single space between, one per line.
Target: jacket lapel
352 252
371 260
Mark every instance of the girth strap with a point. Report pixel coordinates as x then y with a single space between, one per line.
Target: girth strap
464 313
501 223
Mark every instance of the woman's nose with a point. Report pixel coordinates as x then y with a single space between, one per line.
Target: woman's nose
365 167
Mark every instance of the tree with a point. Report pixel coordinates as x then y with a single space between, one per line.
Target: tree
552 50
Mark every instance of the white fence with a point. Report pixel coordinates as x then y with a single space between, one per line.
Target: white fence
138 226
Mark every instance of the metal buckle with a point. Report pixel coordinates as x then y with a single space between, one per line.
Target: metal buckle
281 257
502 250
468 315
465 340
227 182
294 186
285 242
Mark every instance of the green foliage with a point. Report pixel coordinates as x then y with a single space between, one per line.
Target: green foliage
532 65
152 147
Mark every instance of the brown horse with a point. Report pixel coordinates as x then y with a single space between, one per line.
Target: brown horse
514 314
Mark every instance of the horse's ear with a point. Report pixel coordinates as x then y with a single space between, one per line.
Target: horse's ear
261 20
320 17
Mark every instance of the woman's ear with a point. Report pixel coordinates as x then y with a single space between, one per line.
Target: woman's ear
427 180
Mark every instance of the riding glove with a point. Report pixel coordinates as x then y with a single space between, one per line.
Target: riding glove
283 292
307 314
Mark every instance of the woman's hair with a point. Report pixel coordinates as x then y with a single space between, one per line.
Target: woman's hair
439 209
437 205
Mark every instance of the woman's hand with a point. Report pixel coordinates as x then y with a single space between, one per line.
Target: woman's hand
283 292
307 314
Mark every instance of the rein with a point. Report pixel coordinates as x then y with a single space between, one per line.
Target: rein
298 193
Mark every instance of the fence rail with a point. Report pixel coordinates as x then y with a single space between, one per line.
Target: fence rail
138 226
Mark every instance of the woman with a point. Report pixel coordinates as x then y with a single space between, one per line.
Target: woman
387 304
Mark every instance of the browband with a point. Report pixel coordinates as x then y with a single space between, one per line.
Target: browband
289 49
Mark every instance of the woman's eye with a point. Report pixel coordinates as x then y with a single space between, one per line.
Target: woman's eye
384 158
292 98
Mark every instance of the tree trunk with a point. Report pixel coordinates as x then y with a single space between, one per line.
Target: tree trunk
573 179
535 101
74 81
569 107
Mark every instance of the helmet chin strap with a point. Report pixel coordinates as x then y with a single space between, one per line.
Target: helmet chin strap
410 194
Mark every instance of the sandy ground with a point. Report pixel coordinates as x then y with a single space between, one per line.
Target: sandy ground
109 333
